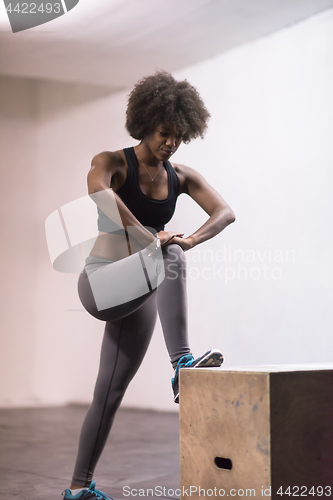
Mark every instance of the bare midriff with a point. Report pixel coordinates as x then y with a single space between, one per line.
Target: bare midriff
114 246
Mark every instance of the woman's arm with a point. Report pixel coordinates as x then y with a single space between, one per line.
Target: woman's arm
108 169
108 173
220 213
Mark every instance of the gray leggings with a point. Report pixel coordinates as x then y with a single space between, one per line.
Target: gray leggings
128 330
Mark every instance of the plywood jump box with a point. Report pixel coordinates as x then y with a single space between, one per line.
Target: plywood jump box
263 432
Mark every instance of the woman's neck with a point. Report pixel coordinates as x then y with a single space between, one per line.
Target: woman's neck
144 154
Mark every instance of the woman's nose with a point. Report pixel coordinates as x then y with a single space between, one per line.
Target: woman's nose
171 141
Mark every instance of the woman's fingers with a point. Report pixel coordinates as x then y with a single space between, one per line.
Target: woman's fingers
184 243
168 239
166 236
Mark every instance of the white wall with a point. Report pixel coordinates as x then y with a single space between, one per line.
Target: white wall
262 290
268 153
74 124
18 101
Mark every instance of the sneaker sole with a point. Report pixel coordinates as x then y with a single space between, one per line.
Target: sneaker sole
212 358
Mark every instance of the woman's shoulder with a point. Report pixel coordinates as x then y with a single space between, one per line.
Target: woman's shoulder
187 176
109 169
184 172
109 159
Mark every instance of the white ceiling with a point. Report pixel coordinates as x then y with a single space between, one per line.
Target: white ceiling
114 42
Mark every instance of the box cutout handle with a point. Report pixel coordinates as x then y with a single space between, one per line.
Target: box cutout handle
223 463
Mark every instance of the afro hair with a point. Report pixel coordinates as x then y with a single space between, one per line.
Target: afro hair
159 100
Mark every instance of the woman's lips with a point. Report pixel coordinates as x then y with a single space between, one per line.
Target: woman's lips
169 153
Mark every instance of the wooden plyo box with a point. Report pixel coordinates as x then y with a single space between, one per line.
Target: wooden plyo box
265 429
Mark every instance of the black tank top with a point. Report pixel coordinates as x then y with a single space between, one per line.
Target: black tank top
150 212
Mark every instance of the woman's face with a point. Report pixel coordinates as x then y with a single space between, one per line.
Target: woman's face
164 141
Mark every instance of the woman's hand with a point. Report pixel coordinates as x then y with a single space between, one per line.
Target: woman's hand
167 237
185 243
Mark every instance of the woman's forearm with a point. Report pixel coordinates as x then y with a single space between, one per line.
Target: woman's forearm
218 221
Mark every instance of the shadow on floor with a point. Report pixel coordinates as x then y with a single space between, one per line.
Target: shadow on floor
38 450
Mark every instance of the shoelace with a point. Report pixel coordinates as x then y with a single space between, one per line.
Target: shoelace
189 362
99 494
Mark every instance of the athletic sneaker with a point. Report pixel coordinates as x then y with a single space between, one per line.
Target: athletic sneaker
89 494
210 358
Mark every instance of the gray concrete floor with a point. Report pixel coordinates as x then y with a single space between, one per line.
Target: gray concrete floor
38 449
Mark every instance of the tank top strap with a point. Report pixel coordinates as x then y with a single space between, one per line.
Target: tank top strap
174 183
131 161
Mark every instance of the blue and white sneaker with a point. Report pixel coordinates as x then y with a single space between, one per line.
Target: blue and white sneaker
210 358
88 494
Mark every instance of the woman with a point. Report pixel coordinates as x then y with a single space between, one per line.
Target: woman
136 190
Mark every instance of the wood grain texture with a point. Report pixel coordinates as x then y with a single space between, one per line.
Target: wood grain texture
224 415
276 427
